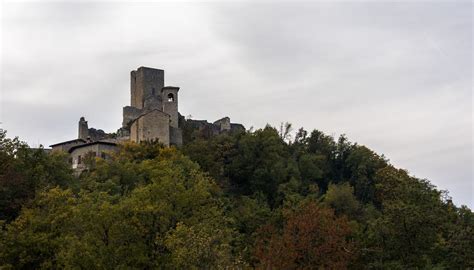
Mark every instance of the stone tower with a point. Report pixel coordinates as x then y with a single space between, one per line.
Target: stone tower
83 129
145 83
170 103
153 111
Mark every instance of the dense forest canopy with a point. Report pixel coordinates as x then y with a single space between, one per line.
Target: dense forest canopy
256 199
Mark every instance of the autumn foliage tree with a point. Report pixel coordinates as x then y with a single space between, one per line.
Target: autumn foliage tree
312 237
233 201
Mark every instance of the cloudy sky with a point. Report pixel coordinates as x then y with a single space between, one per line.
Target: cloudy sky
394 76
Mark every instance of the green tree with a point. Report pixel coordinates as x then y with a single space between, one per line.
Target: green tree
406 234
214 155
34 238
362 165
260 163
24 171
459 235
151 207
341 198
313 168
150 227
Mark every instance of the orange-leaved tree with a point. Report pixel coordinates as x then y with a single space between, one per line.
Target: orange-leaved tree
312 237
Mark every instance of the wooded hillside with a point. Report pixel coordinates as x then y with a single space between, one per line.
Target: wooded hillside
255 199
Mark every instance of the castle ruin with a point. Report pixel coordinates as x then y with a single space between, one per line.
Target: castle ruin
152 115
153 110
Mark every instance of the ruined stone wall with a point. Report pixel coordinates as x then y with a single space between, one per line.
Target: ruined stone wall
83 132
134 131
98 134
133 88
145 82
235 127
192 129
129 114
176 136
151 126
223 123
155 125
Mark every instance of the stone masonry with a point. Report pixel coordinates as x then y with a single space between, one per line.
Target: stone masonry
152 115
154 109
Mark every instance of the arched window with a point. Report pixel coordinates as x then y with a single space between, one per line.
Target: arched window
170 97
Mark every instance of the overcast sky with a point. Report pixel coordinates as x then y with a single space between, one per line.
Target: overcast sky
396 77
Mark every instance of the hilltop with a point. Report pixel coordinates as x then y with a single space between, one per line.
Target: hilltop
232 200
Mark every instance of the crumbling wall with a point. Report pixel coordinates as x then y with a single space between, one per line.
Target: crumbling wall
83 132
176 136
129 114
235 127
192 129
98 134
223 123
151 126
134 131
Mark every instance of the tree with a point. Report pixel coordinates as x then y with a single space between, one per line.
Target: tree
249 214
214 155
458 232
260 163
361 165
34 239
407 232
341 198
152 226
313 168
150 207
24 171
311 238
285 131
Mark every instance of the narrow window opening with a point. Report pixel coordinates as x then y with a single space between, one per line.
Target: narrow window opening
79 160
170 97
153 91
